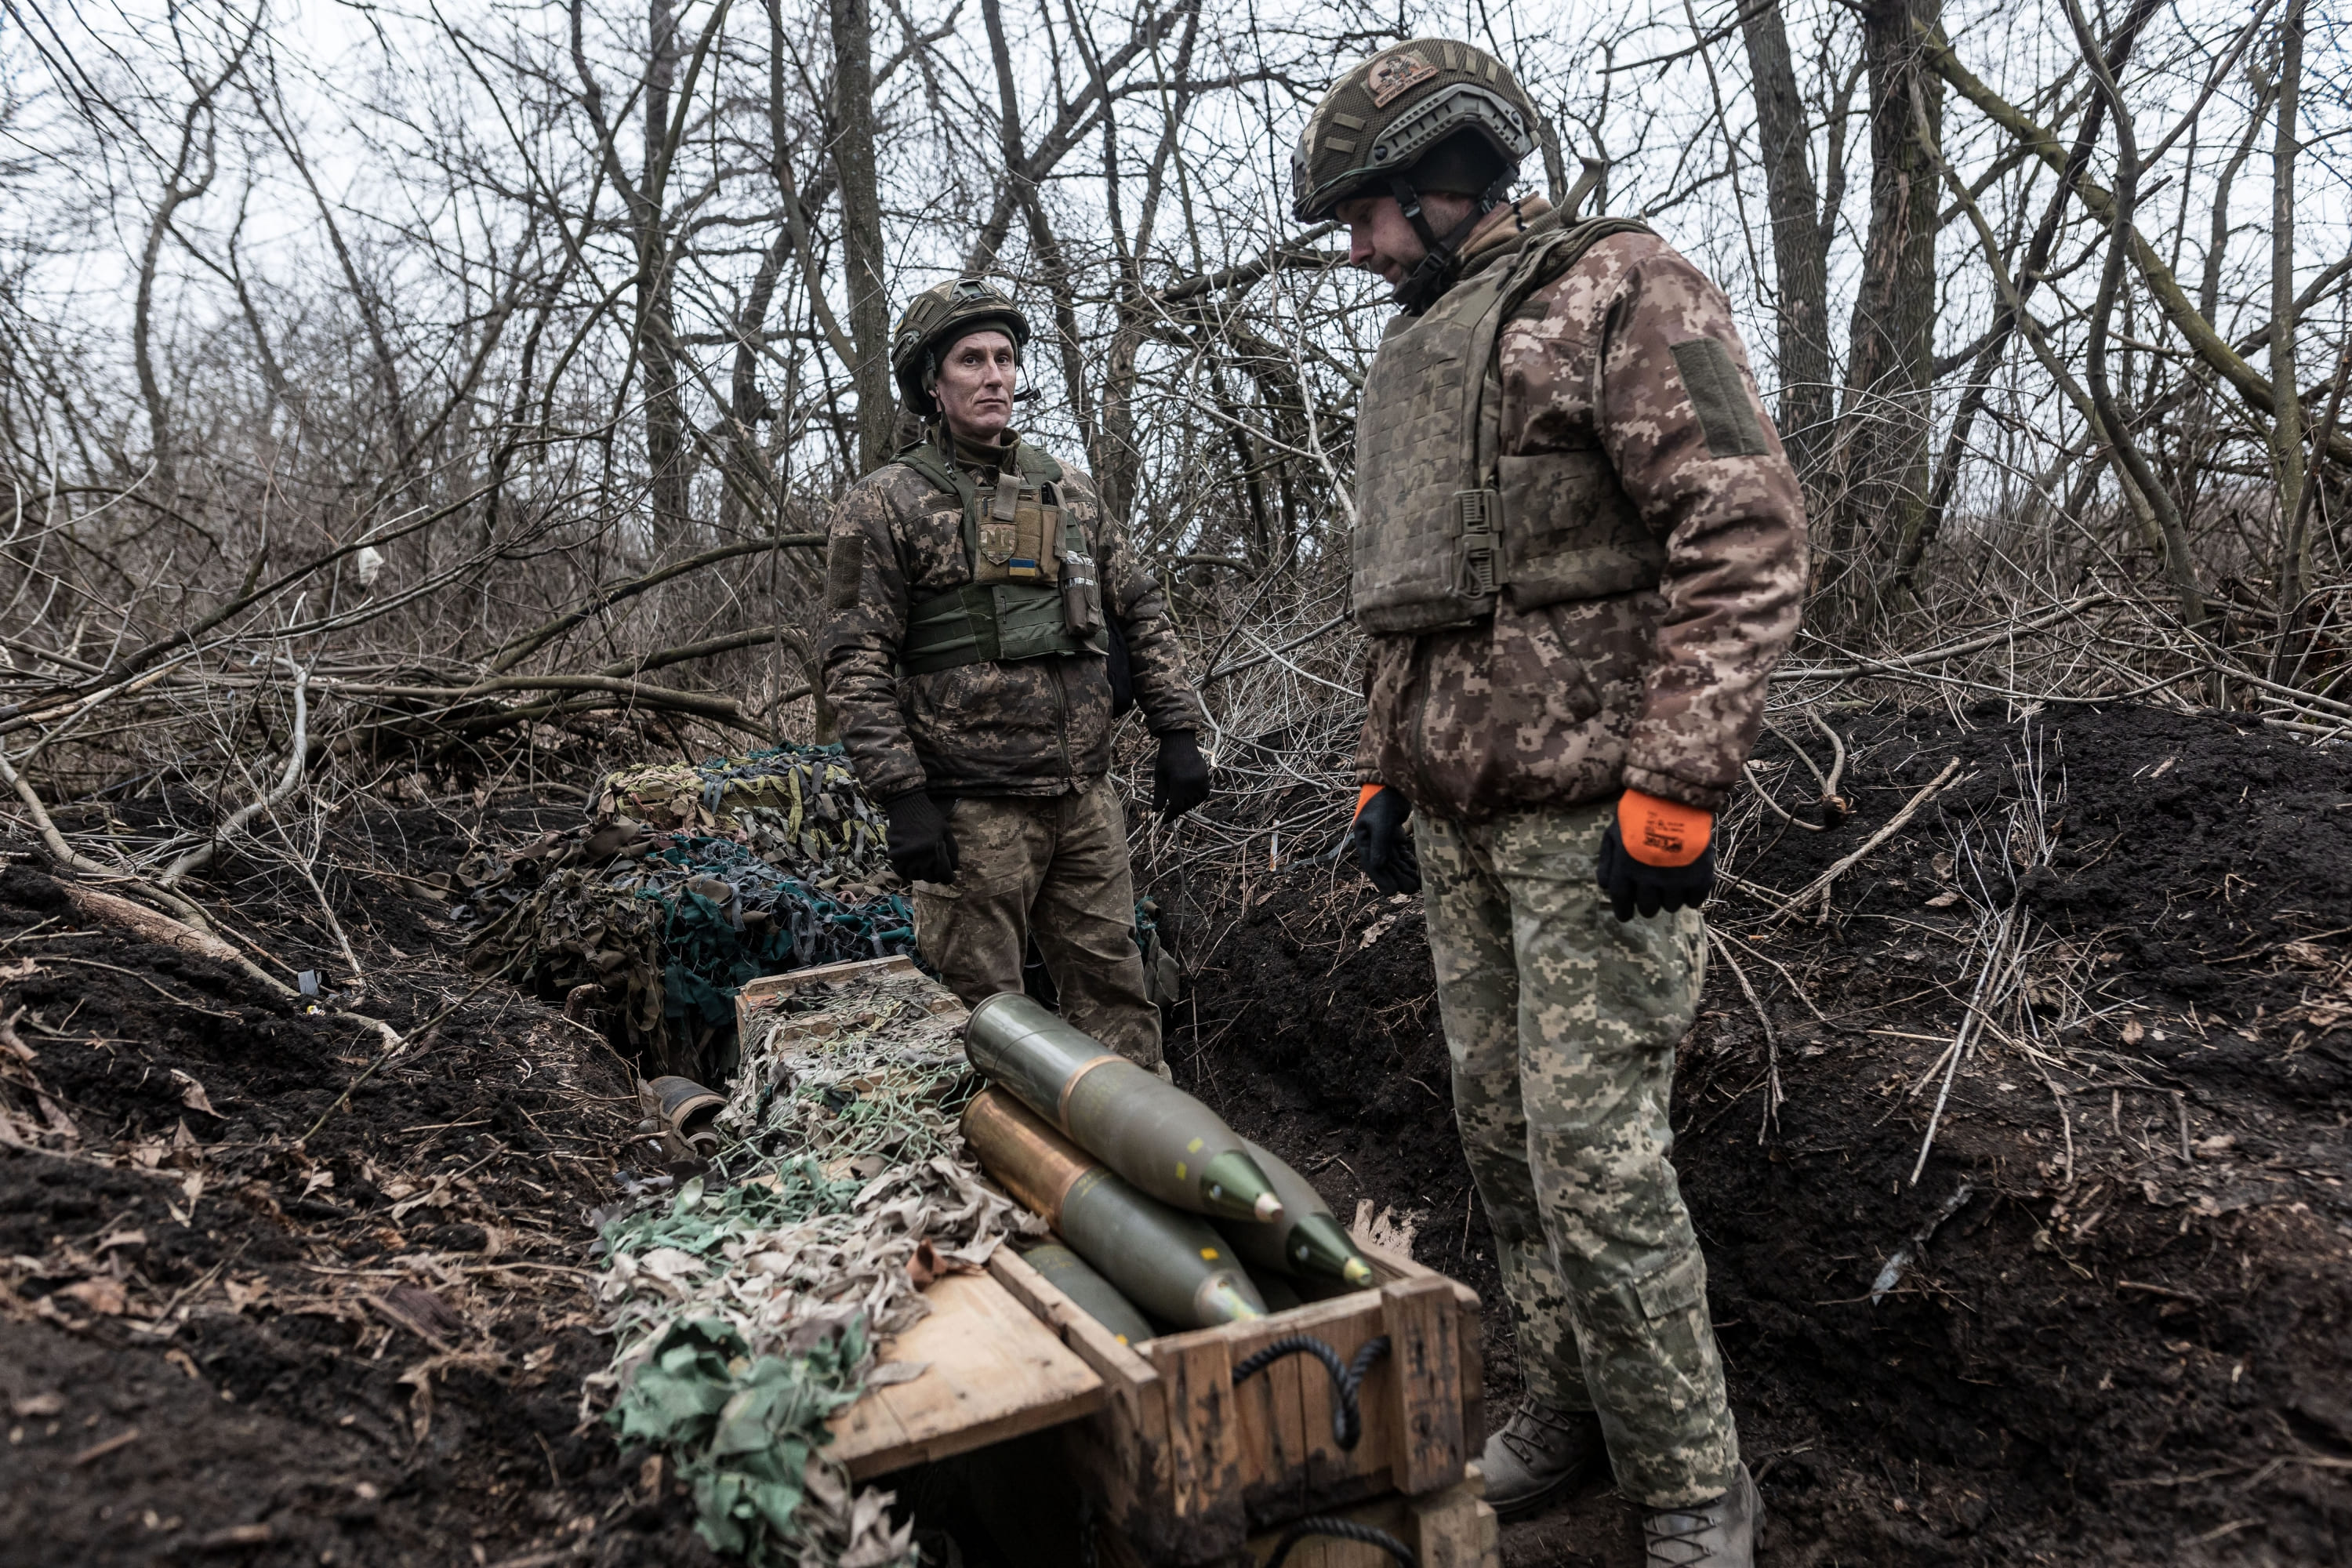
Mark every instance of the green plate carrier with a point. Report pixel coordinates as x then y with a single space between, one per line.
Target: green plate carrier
989 623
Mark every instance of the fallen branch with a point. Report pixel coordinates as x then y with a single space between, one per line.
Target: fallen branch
1865 665
1819 886
517 649
298 751
147 925
1772 1095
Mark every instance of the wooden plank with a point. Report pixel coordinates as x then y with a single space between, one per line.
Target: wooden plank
1120 1453
1420 1317
1453 1529
1205 1446
1347 1323
1121 1367
1470 1340
757 993
1468 1328
994 1372
1450 1529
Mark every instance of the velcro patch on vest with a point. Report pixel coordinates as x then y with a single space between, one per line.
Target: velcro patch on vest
1720 398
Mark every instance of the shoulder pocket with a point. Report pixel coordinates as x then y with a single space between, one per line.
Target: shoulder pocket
1720 398
845 565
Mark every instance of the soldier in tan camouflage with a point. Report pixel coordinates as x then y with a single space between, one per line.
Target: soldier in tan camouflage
1578 552
987 624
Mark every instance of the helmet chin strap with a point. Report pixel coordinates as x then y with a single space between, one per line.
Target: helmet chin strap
1441 259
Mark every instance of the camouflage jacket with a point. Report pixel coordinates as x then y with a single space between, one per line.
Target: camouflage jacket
1659 690
1027 727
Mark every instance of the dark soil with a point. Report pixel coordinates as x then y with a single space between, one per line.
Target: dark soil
2139 1352
220 1342
340 1316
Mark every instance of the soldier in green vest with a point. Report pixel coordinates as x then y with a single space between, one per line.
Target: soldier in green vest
1578 552
987 624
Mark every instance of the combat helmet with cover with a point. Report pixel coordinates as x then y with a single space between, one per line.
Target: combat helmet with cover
930 322
1429 115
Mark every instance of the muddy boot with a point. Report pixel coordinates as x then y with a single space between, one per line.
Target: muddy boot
1538 1455
1720 1533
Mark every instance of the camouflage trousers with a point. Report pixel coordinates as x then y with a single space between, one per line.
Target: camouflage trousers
1562 1023
1052 867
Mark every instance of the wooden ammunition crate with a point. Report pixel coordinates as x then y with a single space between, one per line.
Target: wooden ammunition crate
1178 1467
1185 1468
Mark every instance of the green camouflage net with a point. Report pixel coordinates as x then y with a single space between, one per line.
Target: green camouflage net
665 918
750 1306
797 807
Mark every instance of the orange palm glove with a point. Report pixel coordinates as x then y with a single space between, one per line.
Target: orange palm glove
1657 855
1663 832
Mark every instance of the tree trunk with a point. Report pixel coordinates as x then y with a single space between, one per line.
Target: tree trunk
1883 429
667 450
2293 560
1914 544
1801 260
861 228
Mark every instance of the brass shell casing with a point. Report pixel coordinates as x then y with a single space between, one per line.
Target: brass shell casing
1172 1265
1158 1138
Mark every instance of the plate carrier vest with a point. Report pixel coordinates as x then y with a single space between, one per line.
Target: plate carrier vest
1034 591
1445 526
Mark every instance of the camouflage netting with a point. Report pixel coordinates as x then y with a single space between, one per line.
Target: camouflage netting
684 884
798 808
749 1307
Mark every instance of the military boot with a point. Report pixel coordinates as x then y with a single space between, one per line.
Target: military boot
1720 1533
1538 1455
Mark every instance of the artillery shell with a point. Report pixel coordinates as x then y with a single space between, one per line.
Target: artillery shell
1153 1134
1171 1265
1306 1242
1096 1295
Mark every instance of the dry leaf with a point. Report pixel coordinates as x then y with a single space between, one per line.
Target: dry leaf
671 1263
98 1295
2132 1032
192 1093
248 1293
1943 900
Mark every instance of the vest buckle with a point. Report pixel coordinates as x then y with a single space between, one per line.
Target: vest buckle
1474 513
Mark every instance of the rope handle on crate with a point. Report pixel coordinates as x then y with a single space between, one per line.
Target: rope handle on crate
1345 1529
1347 1378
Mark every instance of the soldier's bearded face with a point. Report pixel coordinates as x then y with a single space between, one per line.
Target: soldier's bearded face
1382 239
977 379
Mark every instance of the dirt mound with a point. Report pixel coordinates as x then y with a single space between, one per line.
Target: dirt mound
2124 1339
281 1299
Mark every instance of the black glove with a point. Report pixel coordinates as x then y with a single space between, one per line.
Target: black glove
1181 781
1383 847
921 850
1633 885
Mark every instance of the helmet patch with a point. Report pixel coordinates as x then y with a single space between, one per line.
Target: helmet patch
1391 74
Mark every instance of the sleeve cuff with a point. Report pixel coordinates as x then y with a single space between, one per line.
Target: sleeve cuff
1666 786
